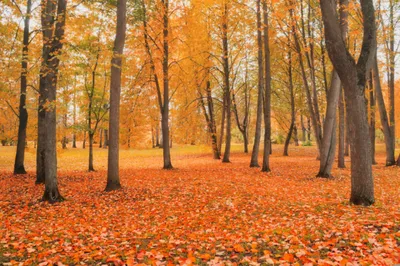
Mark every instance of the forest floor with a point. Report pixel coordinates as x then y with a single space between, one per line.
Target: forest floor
203 212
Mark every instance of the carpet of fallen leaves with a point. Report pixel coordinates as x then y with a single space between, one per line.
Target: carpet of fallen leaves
203 212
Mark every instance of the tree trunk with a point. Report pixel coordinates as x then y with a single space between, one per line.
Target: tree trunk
91 137
53 34
84 140
222 126
19 167
74 141
74 117
210 120
101 138
387 133
257 136
341 163
303 129
113 182
295 135
292 105
165 111
157 135
311 101
328 144
227 88
372 118
392 62
267 97
353 77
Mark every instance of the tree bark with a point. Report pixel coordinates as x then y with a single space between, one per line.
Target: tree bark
328 144
19 167
311 101
113 182
303 129
101 138
292 106
341 150
267 97
210 120
387 133
391 74
372 118
91 167
222 125
260 61
53 34
84 140
165 111
227 88
353 77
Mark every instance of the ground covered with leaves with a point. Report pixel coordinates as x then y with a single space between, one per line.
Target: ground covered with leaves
203 212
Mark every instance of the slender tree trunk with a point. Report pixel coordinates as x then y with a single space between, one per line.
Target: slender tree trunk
341 163
101 138
91 167
257 136
295 135
84 140
210 120
157 135
372 118
113 182
19 167
74 117
153 143
311 101
165 111
303 129
328 144
392 62
227 88
216 151
222 126
387 133
308 129
267 97
292 105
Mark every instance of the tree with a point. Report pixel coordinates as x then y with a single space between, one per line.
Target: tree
113 182
387 133
328 143
292 126
163 96
260 62
353 76
267 95
227 88
23 113
53 34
